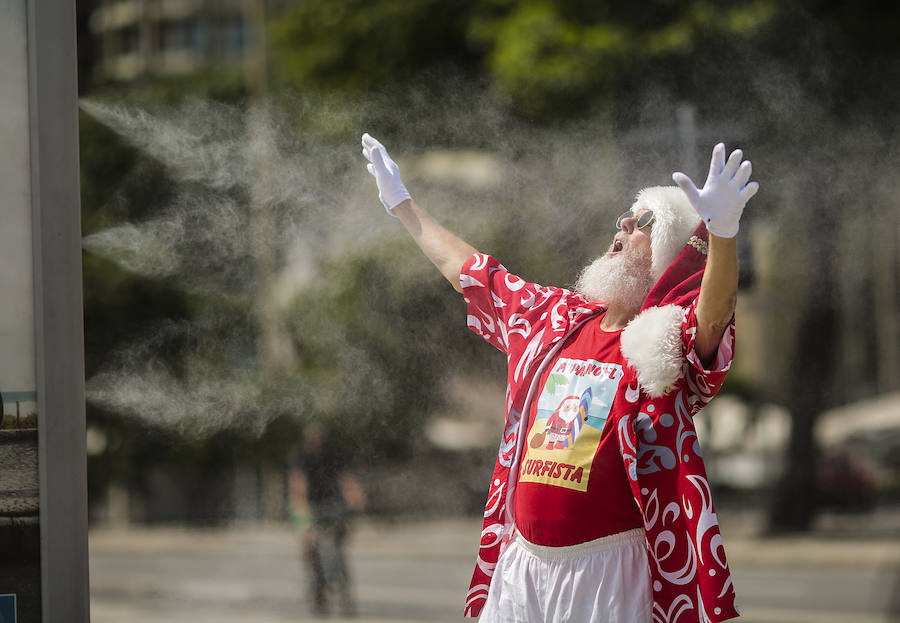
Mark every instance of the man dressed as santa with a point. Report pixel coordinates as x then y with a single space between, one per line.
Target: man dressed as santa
619 525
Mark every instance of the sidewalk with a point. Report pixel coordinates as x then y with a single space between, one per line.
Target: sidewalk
866 541
458 539
419 570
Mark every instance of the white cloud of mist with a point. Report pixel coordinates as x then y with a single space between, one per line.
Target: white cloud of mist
197 237
472 165
482 172
220 146
213 386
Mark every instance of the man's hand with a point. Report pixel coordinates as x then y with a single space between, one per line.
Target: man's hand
391 190
446 251
721 201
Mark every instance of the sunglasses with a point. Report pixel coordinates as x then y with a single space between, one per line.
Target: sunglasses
647 218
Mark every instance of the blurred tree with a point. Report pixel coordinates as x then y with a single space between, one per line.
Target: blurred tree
799 73
357 44
550 58
374 380
119 185
117 303
826 122
814 82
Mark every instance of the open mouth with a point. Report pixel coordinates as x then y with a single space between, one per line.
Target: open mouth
617 246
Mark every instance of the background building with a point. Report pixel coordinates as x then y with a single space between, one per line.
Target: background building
135 39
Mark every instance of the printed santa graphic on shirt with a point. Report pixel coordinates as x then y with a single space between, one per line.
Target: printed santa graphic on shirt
571 412
565 423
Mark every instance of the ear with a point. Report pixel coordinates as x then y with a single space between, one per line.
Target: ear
652 345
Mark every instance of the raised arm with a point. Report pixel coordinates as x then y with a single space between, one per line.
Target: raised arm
720 204
445 250
718 296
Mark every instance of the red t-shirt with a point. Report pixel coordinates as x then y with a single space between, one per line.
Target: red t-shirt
572 482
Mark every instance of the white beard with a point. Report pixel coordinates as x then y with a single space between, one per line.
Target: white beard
622 280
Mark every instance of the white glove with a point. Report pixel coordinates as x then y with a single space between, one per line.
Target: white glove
391 190
726 192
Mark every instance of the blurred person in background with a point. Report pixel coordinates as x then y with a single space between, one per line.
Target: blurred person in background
599 508
323 497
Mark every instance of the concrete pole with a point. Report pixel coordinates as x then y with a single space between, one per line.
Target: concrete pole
887 317
56 235
276 349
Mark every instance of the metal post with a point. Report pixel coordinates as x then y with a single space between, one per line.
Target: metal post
59 343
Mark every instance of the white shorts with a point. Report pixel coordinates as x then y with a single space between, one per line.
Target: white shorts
602 581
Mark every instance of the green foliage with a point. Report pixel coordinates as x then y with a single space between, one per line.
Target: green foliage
550 58
358 44
118 184
544 61
553 380
222 83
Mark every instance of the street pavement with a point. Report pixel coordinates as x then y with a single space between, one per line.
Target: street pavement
418 571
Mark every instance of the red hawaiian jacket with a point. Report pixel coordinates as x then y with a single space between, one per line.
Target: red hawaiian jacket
660 452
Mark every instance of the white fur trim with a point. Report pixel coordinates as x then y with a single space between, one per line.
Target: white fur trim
675 221
652 345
